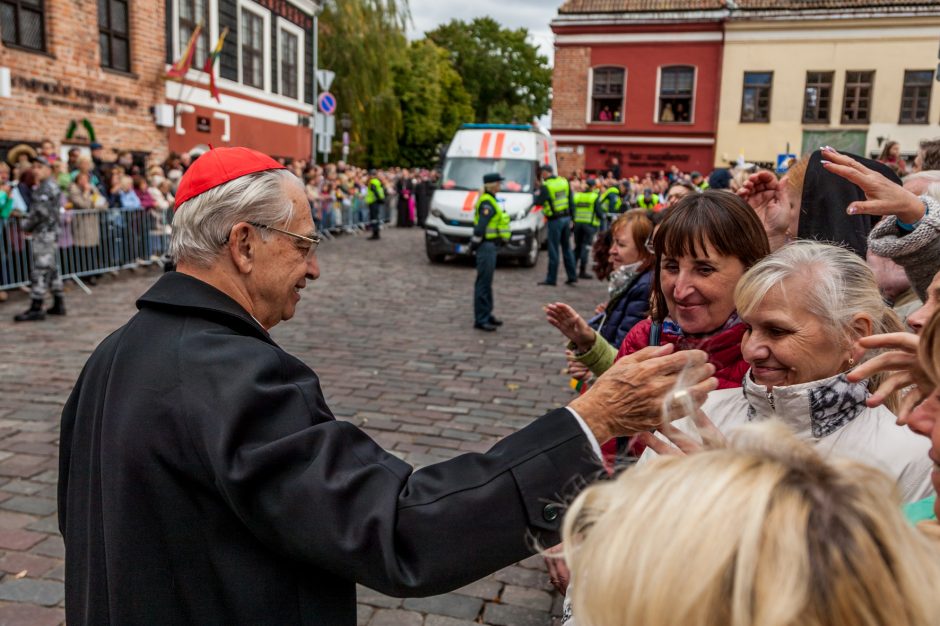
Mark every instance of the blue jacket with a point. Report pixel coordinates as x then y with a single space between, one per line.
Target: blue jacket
625 311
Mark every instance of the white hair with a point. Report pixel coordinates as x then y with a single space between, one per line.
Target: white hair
930 180
841 286
202 224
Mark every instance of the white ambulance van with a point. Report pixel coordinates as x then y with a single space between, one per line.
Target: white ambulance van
514 150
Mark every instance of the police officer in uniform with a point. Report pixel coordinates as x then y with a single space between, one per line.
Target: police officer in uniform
555 198
490 231
375 199
42 223
610 200
588 215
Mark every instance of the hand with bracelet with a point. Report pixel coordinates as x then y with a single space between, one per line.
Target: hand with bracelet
883 196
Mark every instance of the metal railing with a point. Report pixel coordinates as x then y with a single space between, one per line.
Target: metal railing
96 242
90 243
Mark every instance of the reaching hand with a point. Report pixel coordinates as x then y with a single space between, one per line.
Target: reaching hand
883 196
571 325
683 443
627 399
768 197
576 369
558 574
900 363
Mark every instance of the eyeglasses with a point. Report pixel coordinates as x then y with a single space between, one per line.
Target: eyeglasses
308 250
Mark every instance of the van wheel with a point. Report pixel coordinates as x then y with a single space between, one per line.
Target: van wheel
532 255
436 258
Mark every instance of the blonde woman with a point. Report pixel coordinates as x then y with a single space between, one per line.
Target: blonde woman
804 307
764 533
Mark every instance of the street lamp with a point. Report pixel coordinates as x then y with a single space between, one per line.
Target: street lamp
345 123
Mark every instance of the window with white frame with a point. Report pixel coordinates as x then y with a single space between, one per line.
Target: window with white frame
676 93
254 46
191 14
290 46
607 94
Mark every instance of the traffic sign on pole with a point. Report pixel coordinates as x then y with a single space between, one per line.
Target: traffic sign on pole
326 102
325 79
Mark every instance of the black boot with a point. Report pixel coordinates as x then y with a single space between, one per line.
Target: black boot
58 307
34 314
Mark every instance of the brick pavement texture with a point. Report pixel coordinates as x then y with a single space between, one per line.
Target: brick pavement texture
390 336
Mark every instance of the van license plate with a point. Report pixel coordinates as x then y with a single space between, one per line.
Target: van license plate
462 249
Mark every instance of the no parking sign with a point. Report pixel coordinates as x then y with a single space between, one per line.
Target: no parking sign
327 103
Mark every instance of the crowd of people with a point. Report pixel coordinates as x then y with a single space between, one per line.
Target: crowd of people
113 208
813 296
806 448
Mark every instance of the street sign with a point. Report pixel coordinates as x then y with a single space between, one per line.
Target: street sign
326 102
325 79
325 124
783 161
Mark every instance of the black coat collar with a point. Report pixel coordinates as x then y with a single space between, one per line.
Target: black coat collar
175 291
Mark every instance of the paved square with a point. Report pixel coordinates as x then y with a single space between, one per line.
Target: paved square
391 337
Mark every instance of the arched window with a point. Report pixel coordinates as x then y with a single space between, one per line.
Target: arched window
676 94
607 94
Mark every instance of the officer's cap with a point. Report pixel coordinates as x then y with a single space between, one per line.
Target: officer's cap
493 177
546 168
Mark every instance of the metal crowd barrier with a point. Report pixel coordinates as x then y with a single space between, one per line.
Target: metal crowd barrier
91 243
96 242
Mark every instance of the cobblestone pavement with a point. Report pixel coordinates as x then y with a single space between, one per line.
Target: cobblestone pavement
390 336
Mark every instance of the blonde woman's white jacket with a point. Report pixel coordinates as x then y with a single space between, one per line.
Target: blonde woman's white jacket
832 416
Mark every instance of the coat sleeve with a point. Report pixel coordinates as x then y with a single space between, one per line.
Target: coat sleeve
917 252
321 491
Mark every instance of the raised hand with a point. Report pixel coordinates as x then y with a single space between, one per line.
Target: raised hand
883 196
571 325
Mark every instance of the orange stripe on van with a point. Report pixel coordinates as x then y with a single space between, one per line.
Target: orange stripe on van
498 150
469 203
485 144
545 146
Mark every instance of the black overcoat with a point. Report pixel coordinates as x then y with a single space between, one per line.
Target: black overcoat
204 480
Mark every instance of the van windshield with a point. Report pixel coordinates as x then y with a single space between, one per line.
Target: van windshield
468 173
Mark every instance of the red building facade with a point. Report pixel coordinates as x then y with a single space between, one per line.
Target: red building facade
636 82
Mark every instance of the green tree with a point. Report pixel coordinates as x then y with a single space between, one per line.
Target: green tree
361 40
506 77
433 102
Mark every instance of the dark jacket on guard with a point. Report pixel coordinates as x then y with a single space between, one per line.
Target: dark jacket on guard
204 480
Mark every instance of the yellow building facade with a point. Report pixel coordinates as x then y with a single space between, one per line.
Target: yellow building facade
850 83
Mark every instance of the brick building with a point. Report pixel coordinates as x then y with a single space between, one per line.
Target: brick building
264 75
636 81
74 72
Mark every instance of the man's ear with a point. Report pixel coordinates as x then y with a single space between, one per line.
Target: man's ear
242 247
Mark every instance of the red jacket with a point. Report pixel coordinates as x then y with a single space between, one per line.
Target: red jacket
723 348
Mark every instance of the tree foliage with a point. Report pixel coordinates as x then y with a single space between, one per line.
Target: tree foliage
406 100
433 102
360 40
506 77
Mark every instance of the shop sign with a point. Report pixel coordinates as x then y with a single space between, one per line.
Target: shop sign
59 94
657 159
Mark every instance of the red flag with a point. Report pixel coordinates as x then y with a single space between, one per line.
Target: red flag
180 68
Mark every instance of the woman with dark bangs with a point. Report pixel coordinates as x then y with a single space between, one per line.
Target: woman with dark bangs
702 248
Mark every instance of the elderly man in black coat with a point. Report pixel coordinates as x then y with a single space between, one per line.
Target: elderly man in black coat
204 480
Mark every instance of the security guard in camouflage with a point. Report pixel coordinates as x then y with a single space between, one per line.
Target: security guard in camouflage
490 231
42 223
